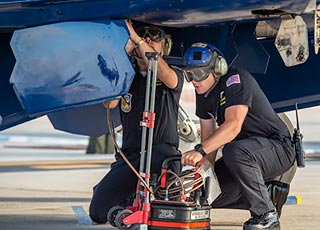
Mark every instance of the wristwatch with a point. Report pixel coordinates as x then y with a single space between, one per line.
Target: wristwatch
199 149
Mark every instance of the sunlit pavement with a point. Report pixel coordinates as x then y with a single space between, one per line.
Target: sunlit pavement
51 189
47 179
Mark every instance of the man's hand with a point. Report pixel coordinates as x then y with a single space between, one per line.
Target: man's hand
191 157
133 35
110 104
130 46
133 38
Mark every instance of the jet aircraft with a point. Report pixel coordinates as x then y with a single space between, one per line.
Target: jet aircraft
64 58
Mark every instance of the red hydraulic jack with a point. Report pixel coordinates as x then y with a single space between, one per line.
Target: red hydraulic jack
171 209
137 215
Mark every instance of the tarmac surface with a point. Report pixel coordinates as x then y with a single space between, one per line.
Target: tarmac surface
47 179
51 189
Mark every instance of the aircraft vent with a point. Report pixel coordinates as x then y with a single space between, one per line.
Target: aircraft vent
265 13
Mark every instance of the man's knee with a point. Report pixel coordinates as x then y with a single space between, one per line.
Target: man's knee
97 211
96 215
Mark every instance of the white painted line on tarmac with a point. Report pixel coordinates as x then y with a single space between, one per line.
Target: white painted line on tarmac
81 215
43 139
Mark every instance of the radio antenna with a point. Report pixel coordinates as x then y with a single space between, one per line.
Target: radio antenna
297 117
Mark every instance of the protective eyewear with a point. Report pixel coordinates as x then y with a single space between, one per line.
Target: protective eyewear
154 33
197 73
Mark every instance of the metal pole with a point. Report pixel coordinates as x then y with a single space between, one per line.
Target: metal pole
147 122
155 56
146 108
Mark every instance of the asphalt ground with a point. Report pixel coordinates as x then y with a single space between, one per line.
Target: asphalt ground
51 189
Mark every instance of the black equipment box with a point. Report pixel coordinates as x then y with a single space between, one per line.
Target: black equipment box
167 215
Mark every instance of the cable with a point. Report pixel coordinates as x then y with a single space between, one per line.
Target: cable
106 105
186 181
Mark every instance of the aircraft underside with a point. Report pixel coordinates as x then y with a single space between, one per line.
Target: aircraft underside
64 58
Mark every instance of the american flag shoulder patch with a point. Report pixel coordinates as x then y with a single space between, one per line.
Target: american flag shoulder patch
234 79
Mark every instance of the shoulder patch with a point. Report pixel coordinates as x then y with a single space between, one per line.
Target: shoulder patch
234 79
126 103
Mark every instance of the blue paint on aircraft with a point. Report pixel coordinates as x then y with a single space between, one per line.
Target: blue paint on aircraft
57 65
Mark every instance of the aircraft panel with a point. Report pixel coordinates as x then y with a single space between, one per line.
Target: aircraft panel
72 65
65 64
285 86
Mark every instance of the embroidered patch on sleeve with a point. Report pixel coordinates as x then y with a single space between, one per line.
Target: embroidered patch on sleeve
126 103
234 79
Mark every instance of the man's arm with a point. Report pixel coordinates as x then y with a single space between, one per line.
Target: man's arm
165 73
207 128
234 118
231 127
111 104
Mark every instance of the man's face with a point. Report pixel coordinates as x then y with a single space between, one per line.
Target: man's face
203 86
157 46
154 36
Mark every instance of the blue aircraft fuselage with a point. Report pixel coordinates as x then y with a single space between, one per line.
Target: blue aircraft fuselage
64 58
173 13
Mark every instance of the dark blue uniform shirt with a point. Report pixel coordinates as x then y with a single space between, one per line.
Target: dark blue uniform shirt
238 87
166 109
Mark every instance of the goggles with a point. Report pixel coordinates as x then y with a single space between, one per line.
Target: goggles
196 73
154 33
198 64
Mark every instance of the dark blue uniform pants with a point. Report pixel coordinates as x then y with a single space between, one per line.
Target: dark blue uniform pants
120 182
245 167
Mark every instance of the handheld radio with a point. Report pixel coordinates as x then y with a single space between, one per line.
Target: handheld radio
297 141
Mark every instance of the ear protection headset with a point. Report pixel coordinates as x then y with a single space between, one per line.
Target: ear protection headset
215 60
220 66
203 55
167 45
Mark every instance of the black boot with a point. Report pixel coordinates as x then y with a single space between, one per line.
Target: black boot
278 193
269 220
